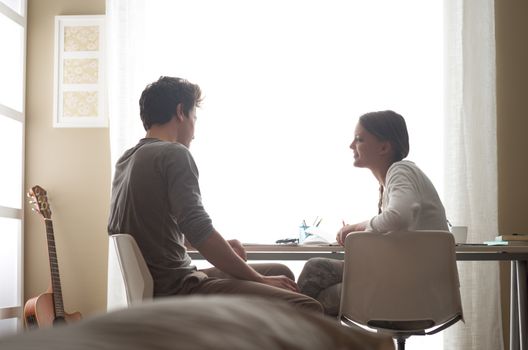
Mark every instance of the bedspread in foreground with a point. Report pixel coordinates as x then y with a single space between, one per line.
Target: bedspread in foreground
202 322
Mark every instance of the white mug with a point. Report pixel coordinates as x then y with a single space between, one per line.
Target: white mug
459 233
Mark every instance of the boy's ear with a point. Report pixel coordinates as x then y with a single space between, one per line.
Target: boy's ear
179 112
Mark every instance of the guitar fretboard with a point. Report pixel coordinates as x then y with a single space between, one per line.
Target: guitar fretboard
54 269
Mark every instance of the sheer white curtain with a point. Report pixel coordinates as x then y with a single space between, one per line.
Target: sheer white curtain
284 83
471 164
126 60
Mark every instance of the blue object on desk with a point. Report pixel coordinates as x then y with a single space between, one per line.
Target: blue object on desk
303 234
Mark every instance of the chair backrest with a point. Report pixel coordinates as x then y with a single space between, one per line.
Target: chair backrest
405 281
129 279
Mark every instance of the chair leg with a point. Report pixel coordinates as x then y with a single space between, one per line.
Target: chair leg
401 343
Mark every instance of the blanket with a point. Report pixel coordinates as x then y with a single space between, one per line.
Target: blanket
202 322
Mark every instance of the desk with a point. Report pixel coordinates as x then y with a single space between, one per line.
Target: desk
518 255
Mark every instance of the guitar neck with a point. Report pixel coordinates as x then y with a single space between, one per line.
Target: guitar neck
54 269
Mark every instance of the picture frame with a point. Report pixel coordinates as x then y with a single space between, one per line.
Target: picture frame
79 74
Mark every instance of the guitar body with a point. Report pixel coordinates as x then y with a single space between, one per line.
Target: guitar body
39 312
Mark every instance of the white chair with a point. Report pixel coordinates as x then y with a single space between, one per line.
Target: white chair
129 279
400 283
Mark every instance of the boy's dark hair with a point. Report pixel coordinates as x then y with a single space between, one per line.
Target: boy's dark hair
388 126
158 102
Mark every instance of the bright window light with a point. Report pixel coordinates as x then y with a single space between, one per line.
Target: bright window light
284 84
10 250
15 5
12 37
11 153
12 64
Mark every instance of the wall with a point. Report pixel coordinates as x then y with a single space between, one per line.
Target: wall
512 121
511 30
73 165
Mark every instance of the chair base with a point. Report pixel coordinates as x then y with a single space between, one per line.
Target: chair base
401 342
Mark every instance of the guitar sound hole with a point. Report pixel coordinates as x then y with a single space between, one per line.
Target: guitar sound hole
31 322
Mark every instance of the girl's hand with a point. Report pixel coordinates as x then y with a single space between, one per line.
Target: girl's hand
342 233
346 229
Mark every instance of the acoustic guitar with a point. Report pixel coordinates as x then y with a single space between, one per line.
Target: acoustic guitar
47 309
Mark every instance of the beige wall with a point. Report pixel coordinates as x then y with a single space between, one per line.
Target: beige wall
511 30
512 121
73 165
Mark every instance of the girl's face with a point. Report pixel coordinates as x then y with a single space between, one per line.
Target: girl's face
369 151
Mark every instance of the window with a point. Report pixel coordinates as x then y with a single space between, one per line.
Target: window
13 39
284 84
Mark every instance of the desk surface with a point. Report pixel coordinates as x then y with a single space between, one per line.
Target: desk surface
339 248
466 252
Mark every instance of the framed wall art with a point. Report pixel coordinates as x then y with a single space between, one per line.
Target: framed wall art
79 84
